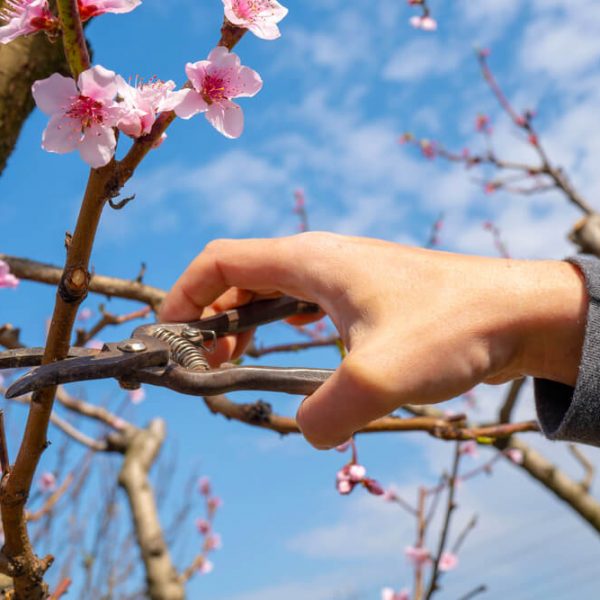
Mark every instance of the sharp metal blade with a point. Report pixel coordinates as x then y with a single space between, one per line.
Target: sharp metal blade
110 362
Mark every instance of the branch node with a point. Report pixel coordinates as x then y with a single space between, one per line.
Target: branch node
74 284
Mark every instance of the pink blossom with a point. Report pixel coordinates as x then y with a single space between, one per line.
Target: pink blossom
203 526
206 567
417 555
93 8
373 487
448 561
428 149
215 82
212 542
23 17
469 448
482 123
515 455
142 103
84 314
204 486
258 16
47 482
356 473
82 116
490 187
390 495
7 279
344 487
425 23
388 593
137 396
213 503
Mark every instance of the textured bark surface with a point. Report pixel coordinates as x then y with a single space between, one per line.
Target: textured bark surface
21 63
162 579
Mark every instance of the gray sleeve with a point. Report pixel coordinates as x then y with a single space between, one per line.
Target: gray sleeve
573 414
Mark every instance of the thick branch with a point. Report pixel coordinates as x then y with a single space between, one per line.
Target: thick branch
21 63
32 270
162 579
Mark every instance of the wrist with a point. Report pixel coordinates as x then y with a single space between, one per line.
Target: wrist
551 327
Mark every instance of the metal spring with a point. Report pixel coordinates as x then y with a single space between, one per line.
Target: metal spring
184 352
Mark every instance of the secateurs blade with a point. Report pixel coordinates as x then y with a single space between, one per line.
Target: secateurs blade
173 355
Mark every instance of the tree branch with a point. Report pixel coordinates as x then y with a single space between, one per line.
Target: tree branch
163 581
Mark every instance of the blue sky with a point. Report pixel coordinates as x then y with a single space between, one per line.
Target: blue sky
342 83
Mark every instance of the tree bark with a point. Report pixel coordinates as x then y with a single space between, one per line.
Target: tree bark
21 63
162 580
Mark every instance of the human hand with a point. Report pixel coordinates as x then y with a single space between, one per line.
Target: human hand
420 326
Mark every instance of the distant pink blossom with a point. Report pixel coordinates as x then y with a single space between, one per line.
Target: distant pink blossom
7 279
482 123
213 503
93 8
84 314
204 486
137 396
47 482
300 201
22 17
490 187
448 561
425 23
203 526
206 567
215 82
469 448
258 16
142 103
212 542
428 149
417 555
390 495
82 116
388 593
515 455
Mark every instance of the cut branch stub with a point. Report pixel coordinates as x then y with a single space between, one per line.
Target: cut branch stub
586 234
74 284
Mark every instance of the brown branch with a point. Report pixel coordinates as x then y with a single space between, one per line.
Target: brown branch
450 507
22 62
504 416
61 589
588 467
260 414
10 337
108 319
258 351
421 527
163 581
100 284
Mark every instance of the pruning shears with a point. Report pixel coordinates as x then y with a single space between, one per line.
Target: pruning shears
174 355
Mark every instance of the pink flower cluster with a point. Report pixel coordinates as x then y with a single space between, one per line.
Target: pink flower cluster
23 17
389 593
258 16
7 279
212 540
351 475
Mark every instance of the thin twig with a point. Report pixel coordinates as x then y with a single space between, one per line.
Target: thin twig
478 590
451 505
588 467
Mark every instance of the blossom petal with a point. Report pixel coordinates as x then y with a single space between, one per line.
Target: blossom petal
61 135
97 146
53 94
196 73
248 84
265 30
227 118
191 104
98 83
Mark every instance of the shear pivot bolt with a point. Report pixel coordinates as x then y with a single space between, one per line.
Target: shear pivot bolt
131 346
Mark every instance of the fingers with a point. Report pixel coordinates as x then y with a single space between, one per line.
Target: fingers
346 402
260 265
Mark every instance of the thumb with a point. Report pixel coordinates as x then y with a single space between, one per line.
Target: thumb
352 397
